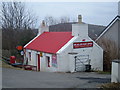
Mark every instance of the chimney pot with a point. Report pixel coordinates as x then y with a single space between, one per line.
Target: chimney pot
43 28
79 18
43 23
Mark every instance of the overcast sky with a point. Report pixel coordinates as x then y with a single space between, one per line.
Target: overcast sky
99 13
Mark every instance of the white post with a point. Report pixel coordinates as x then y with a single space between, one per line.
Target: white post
115 76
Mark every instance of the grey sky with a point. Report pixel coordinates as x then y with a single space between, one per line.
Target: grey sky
100 13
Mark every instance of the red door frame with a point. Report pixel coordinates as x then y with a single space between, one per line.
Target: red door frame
38 56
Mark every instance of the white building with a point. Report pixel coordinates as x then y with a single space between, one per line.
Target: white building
63 51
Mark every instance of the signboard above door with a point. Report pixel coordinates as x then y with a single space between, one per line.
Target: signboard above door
82 44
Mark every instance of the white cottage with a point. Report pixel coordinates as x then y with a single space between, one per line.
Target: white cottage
63 51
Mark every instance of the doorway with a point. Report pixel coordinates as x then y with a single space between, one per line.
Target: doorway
38 60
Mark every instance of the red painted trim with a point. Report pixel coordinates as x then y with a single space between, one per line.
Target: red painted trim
38 55
48 62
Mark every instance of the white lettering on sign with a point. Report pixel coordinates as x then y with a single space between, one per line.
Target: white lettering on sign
82 44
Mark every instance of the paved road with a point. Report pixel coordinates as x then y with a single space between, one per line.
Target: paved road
30 79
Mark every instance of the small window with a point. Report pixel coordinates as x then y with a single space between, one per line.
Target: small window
29 56
48 61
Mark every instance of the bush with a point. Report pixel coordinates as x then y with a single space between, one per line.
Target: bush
12 38
6 53
110 52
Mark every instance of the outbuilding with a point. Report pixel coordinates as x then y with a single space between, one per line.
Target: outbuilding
63 51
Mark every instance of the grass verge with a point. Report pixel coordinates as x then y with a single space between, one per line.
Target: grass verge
112 86
103 72
5 65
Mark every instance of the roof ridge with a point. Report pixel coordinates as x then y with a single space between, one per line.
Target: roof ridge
58 32
106 28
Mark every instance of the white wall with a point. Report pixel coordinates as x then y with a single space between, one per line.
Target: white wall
63 62
96 57
33 57
95 54
80 30
44 66
43 61
72 62
115 76
43 29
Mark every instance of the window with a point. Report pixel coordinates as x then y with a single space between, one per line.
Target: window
29 56
48 61
54 60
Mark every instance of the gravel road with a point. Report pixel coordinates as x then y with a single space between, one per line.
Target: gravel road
12 78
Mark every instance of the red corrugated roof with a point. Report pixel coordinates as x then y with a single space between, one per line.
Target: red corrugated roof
50 42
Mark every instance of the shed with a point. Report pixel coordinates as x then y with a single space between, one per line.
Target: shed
63 51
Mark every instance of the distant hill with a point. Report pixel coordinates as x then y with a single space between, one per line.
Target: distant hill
93 30
35 31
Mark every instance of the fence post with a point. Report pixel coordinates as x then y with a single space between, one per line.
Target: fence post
115 76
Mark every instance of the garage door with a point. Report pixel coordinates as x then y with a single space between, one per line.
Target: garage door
81 61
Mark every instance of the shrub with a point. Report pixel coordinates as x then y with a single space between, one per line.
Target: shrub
110 52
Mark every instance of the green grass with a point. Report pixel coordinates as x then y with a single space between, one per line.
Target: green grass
5 65
103 72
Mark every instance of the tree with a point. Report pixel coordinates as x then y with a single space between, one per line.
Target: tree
64 19
50 20
17 24
111 52
14 16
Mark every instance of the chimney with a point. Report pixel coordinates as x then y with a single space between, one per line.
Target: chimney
80 29
43 28
79 19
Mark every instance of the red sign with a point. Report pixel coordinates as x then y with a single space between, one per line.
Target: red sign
19 47
12 59
82 44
